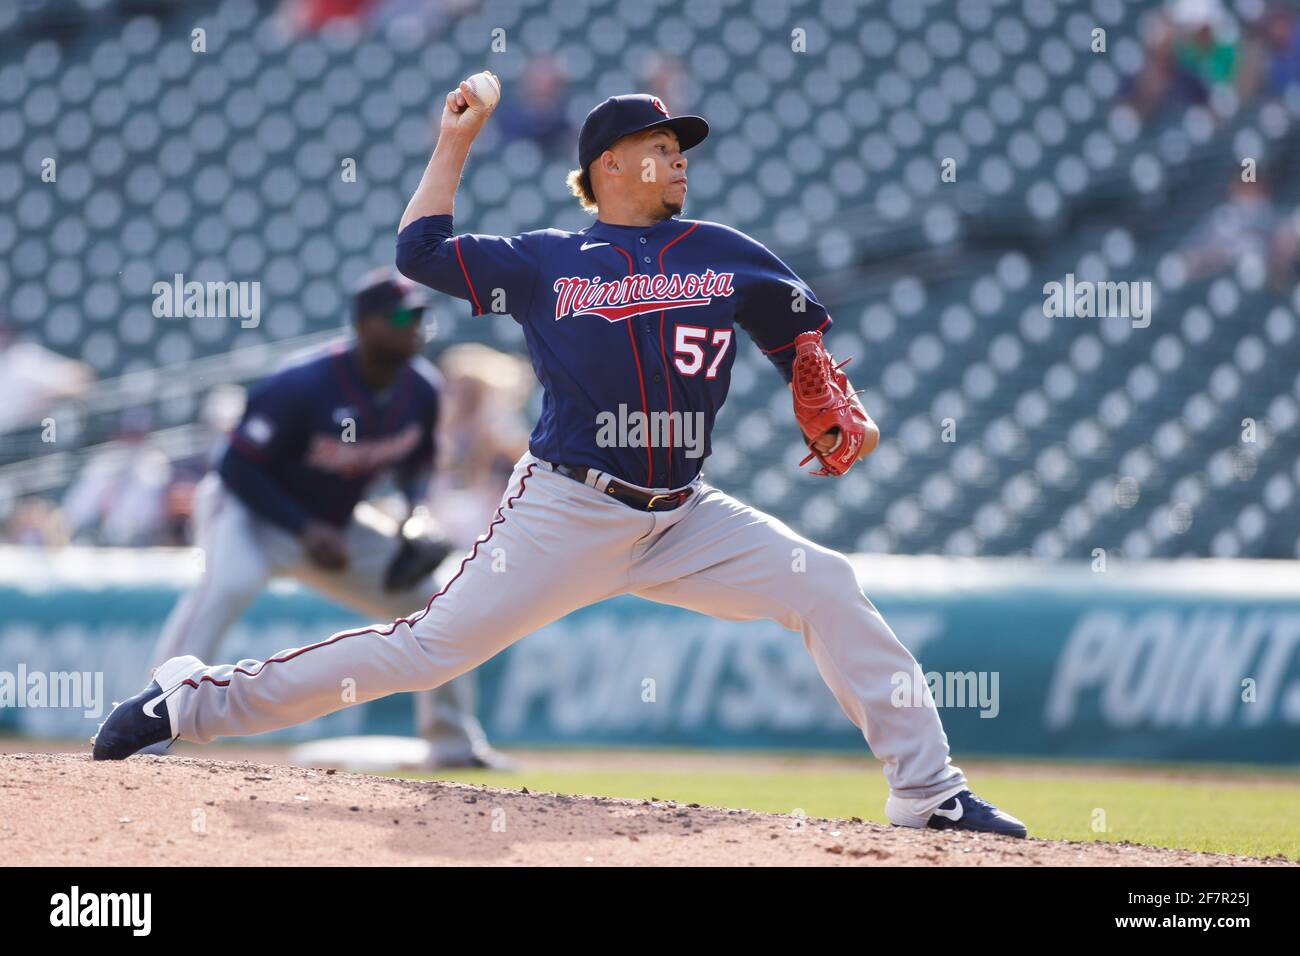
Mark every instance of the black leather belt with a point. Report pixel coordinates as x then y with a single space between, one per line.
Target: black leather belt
632 497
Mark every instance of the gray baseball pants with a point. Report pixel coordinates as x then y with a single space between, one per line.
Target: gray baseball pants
556 545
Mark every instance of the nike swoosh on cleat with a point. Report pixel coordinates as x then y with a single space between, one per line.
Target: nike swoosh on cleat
955 814
149 706
591 245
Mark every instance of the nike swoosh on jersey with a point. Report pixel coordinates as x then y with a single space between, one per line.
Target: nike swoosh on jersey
591 245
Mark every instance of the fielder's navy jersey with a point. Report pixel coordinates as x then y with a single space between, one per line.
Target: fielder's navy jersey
630 329
314 436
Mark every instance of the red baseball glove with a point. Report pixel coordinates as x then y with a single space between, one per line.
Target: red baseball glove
825 403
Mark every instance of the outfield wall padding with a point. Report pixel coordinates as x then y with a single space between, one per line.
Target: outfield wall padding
1187 660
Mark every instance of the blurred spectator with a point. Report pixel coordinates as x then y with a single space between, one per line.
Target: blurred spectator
482 433
1272 63
1244 224
310 16
537 107
302 17
1191 49
35 522
1286 253
119 498
33 379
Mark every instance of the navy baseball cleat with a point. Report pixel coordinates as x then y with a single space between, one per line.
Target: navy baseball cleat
966 811
133 725
961 811
144 720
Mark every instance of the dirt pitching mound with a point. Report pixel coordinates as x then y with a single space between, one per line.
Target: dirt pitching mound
65 809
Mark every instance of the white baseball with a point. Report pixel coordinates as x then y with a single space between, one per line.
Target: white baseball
486 90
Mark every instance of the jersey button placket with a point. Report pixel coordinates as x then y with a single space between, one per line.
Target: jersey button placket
652 339
648 334
641 331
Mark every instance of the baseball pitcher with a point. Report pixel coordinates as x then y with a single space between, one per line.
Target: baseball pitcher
631 326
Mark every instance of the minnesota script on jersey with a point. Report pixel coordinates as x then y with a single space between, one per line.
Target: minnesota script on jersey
622 320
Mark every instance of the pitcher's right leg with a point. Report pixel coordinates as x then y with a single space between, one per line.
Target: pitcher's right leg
549 550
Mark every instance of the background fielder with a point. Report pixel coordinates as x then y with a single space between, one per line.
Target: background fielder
286 497
583 521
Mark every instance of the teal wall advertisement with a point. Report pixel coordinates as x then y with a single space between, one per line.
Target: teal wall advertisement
1161 661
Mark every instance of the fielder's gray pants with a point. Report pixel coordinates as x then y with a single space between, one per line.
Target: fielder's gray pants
556 545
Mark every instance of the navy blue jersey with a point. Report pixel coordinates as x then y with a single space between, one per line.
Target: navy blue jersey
630 329
314 436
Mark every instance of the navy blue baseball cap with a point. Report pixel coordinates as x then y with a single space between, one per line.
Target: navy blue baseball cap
385 291
621 116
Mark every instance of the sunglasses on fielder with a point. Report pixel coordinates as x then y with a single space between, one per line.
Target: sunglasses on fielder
405 318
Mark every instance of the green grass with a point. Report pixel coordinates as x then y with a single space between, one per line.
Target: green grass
1258 818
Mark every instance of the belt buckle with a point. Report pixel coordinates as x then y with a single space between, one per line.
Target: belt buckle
678 496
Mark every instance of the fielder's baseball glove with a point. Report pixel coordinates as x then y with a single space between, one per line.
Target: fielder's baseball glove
824 401
420 552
